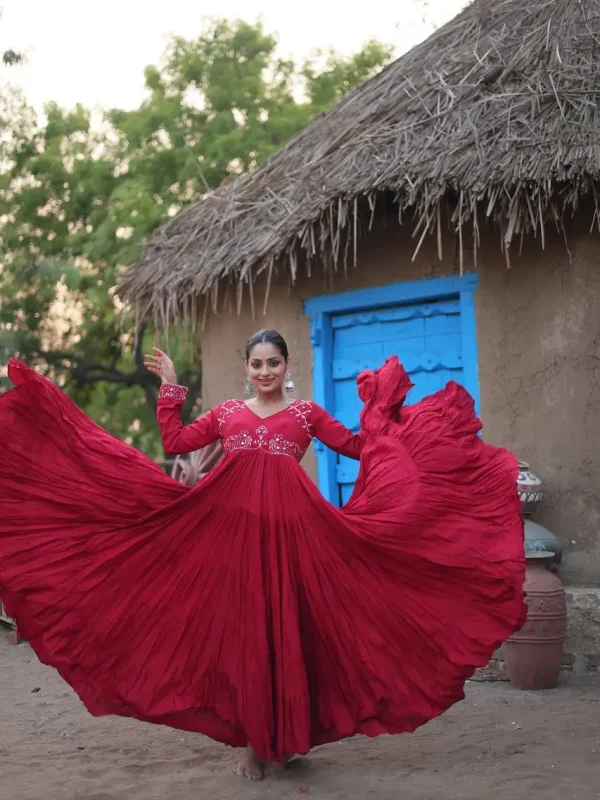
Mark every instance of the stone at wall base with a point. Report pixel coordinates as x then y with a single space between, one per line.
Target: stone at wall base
494 671
14 638
582 648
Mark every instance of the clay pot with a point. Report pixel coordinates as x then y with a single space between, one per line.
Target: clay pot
4 616
530 488
534 654
540 539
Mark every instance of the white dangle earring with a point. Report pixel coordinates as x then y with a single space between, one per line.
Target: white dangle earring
289 385
248 388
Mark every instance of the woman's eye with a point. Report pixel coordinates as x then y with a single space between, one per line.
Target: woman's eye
258 364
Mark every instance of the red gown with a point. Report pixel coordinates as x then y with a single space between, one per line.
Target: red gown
248 608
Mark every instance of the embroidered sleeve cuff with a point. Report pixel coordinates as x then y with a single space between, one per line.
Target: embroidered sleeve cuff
172 391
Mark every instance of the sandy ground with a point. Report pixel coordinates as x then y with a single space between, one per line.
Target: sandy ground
499 744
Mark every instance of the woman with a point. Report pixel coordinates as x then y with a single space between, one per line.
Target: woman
248 608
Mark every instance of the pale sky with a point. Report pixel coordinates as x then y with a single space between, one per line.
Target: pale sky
95 52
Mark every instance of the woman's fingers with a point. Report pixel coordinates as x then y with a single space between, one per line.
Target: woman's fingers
159 363
153 365
159 355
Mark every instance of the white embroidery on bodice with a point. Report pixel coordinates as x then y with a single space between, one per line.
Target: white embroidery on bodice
227 410
260 438
275 445
301 410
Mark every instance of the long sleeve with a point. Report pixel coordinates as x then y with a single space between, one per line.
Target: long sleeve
178 438
335 435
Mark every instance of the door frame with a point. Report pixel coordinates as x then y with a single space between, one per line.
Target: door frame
321 309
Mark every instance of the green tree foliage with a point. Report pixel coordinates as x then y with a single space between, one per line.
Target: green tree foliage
79 196
10 58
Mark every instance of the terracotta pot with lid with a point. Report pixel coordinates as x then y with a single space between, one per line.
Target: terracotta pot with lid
534 654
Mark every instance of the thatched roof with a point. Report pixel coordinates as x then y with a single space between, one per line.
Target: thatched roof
495 115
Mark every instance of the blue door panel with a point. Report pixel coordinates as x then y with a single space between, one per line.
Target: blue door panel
428 339
403 329
348 368
429 324
353 334
440 324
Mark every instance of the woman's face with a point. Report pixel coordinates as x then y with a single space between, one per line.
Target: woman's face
266 369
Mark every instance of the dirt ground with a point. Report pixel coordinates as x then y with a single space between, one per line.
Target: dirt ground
500 744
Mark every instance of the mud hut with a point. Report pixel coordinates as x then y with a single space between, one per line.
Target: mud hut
446 211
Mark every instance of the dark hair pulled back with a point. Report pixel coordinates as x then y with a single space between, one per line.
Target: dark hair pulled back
267 336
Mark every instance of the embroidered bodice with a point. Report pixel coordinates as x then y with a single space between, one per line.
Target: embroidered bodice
288 432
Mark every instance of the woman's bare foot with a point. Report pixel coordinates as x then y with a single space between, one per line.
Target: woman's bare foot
250 766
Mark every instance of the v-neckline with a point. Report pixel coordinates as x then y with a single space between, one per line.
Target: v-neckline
274 414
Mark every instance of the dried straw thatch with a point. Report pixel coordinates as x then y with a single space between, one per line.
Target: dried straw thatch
494 116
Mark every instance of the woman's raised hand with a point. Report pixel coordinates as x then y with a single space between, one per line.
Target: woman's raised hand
160 364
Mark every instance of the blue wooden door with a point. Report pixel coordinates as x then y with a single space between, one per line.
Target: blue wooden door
426 337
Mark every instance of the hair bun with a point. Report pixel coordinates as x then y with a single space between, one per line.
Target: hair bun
267 336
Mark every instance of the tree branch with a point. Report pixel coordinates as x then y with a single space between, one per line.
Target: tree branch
93 373
86 373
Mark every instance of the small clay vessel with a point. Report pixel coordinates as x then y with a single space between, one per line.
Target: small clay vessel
530 488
